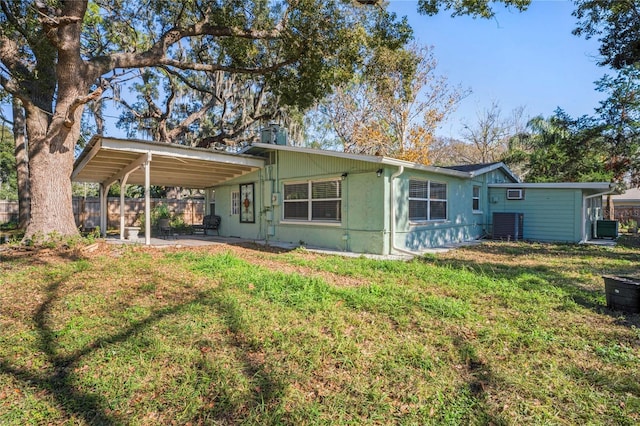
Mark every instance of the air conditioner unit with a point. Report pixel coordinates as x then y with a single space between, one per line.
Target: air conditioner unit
515 194
508 226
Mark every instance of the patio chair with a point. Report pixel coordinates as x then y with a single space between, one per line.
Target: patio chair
211 222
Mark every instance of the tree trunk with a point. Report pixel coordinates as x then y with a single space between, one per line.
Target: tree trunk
50 167
22 164
612 212
52 137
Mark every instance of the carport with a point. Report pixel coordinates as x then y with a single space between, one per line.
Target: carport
107 161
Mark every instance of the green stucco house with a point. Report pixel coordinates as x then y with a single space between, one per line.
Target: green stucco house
348 202
371 204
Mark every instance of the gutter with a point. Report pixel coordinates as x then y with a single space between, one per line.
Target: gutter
392 221
584 210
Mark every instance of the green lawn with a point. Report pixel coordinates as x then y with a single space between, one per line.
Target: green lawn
500 333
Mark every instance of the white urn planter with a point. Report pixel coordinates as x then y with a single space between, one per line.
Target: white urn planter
131 232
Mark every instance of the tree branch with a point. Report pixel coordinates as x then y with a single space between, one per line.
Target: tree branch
11 17
156 54
70 116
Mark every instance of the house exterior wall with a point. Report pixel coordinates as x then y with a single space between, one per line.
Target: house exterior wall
549 214
462 224
367 208
361 229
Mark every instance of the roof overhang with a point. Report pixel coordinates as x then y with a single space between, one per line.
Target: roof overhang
106 160
258 148
598 186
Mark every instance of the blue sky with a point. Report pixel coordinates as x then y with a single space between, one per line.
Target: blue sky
528 59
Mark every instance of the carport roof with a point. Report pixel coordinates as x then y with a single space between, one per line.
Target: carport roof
105 160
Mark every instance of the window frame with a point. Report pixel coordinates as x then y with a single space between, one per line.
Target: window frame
519 194
310 201
235 202
428 200
476 205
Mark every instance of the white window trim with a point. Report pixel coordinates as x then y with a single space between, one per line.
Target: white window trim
235 203
518 197
479 198
309 200
428 200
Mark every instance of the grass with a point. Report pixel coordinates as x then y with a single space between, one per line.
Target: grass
507 333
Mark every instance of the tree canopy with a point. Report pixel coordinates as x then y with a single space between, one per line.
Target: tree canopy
59 55
616 24
475 8
560 149
392 106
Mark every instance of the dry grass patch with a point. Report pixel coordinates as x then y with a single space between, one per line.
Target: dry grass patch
499 333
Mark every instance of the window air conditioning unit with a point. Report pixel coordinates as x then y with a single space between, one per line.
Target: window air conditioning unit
515 194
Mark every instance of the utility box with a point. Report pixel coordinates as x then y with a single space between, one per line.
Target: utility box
606 229
508 226
622 293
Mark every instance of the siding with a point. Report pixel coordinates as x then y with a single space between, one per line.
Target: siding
549 214
366 206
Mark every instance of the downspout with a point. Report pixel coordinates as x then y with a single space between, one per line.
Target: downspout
392 221
584 210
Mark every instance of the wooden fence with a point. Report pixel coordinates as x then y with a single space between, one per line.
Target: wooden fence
624 214
87 211
8 211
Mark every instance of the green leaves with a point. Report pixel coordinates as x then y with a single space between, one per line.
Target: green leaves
475 8
617 26
562 149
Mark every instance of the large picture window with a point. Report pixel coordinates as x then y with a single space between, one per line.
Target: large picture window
313 201
427 200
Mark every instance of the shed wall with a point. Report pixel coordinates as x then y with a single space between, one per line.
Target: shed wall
549 215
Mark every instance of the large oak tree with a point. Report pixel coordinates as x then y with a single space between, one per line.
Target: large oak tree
58 55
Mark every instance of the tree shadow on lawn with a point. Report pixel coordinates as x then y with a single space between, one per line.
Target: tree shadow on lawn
266 389
58 378
479 379
556 250
580 290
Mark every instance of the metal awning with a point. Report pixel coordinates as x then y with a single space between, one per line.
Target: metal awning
110 160
105 160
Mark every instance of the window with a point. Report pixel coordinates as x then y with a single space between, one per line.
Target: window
427 200
476 198
235 202
319 201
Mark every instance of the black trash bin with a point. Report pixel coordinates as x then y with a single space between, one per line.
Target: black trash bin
622 293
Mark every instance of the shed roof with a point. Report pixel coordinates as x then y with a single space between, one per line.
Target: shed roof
632 194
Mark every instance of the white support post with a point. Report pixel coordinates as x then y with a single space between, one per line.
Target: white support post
123 186
147 201
103 211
